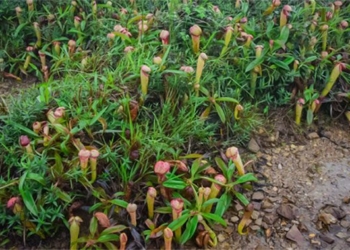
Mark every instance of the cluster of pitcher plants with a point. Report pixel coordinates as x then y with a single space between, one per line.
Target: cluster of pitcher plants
137 101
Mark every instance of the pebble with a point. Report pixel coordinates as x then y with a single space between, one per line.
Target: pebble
255 215
312 236
238 207
257 205
253 146
312 136
326 239
345 223
342 235
276 150
255 227
267 204
258 222
258 196
234 219
225 246
279 166
270 218
221 237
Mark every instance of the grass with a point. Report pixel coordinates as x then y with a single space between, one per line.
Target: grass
180 118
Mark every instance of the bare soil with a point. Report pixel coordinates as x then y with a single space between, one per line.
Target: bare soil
302 198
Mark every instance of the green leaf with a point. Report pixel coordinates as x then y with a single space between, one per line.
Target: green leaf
110 246
95 206
179 222
289 60
179 72
191 156
223 204
279 63
24 129
175 184
245 178
119 203
220 112
195 167
191 227
114 229
209 202
27 197
29 202
221 164
204 90
93 225
63 195
108 238
96 117
309 117
19 28
284 35
36 177
163 210
256 62
214 218
226 99
58 167
242 198
310 59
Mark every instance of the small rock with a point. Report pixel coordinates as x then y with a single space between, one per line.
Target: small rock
258 196
257 205
258 222
348 240
255 227
295 222
268 158
267 204
221 237
295 235
286 211
268 232
270 218
273 199
326 134
279 166
315 242
239 207
234 219
253 146
327 218
312 136
293 147
229 230
225 246
326 239
342 235
276 150
255 215
345 223
271 139
311 236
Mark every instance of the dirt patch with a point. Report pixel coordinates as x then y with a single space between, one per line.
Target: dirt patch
10 86
302 197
